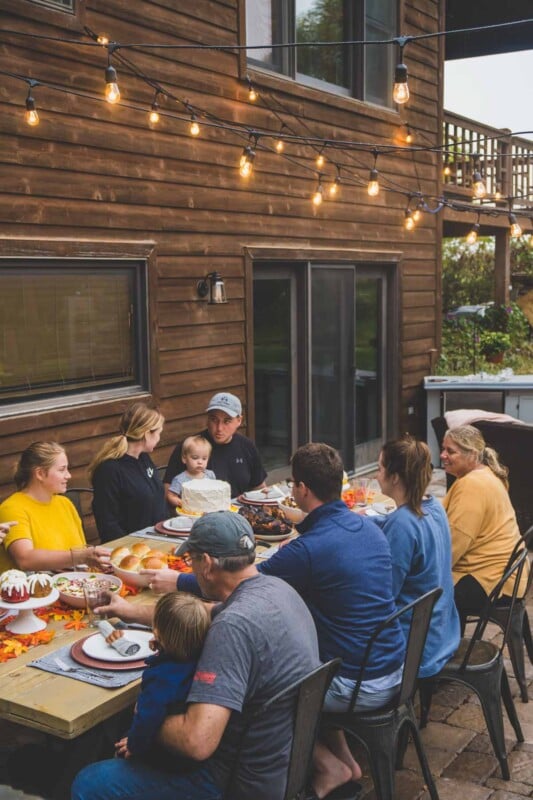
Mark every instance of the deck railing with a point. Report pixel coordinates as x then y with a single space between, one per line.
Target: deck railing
504 161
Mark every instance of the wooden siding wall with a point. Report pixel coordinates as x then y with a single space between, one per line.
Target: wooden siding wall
94 173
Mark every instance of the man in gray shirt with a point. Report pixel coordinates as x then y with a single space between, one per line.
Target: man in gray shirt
261 640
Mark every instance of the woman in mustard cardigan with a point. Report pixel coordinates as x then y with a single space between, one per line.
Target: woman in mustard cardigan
482 520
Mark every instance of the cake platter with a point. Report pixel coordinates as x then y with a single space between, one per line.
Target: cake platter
26 621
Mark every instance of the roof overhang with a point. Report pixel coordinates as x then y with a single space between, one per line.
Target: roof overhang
476 13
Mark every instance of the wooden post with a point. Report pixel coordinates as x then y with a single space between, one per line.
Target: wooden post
502 267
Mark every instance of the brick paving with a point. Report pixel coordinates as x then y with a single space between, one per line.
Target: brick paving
456 743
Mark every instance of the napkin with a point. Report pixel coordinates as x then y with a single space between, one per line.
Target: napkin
108 679
124 646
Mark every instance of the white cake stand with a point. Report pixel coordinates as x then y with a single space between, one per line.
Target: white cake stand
26 621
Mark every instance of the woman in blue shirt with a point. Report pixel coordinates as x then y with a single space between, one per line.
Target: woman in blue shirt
420 541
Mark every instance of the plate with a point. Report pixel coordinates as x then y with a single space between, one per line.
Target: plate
271 495
76 651
278 538
180 526
383 508
97 648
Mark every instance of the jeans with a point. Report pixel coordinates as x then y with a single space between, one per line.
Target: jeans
340 693
128 779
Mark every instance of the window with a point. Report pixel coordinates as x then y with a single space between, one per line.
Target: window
60 5
71 327
363 72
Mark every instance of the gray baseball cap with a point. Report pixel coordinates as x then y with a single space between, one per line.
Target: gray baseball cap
224 401
220 534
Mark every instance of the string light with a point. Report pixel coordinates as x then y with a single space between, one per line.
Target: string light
194 128
471 237
102 39
417 214
112 92
516 230
252 91
409 135
154 112
246 162
318 195
478 185
320 160
409 222
400 91
30 115
280 144
334 187
497 194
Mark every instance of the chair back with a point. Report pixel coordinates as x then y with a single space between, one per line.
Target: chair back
75 497
308 694
161 471
515 568
421 610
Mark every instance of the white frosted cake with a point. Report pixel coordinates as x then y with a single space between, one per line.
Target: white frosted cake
204 495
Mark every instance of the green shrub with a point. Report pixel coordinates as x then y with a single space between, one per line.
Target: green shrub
491 343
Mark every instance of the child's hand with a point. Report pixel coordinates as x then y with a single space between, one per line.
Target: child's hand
114 635
121 748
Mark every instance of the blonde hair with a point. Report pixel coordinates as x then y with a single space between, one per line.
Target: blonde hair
190 441
138 420
181 622
38 454
470 441
410 459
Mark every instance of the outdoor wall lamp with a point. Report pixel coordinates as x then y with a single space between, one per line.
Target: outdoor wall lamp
213 286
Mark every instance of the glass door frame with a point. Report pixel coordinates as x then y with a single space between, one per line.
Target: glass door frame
301 260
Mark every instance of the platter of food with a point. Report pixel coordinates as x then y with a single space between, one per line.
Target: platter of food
268 522
70 586
128 561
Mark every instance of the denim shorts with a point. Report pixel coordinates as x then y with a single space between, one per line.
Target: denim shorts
372 694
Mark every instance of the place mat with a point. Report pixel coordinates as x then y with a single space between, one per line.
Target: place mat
106 678
161 537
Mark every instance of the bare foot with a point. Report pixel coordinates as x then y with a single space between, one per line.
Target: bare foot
335 740
329 771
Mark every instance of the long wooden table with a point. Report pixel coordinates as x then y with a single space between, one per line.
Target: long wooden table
60 705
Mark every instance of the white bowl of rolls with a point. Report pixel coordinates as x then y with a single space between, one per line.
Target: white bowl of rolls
128 561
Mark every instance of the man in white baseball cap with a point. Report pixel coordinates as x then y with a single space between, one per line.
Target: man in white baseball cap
234 457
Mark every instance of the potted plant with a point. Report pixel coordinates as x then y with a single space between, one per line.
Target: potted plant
493 345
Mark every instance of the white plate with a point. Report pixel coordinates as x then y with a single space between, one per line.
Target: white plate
97 647
179 523
259 496
383 508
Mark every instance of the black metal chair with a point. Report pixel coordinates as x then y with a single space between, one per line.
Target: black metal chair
382 730
519 633
75 496
308 694
479 665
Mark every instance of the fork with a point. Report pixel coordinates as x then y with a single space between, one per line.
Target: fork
69 668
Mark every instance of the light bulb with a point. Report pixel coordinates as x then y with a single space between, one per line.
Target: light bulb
112 92
409 137
194 128
320 160
516 230
409 222
252 94
531 241
246 162
478 186
334 188
447 171
373 183
30 115
497 195
154 113
280 146
417 214
102 39
318 195
400 92
471 237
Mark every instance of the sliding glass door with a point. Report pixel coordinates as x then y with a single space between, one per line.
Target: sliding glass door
321 360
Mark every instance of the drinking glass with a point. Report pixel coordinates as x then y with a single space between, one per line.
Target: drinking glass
96 594
362 490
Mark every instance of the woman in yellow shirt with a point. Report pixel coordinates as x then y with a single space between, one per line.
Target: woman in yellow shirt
482 520
48 534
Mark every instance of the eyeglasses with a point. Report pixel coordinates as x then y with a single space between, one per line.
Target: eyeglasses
292 483
188 558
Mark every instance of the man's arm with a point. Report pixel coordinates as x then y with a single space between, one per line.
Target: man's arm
197 733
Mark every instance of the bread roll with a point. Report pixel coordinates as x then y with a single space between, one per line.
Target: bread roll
118 554
130 563
140 549
157 554
152 562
